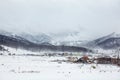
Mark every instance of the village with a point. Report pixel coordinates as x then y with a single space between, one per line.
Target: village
82 57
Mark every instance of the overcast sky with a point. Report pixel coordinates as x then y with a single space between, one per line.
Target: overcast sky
89 17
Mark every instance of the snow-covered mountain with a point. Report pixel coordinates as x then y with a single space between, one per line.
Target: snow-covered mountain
68 39
28 42
111 41
38 39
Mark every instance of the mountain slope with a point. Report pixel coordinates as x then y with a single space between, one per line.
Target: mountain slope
19 42
111 41
38 39
67 38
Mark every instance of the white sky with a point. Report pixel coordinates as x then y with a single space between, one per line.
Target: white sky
89 17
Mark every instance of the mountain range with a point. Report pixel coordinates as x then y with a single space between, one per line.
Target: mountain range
111 41
69 42
34 43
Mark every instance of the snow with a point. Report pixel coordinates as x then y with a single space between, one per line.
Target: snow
114 34
20 51
73 38
43 68
47 68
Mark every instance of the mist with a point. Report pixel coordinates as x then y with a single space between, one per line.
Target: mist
91 18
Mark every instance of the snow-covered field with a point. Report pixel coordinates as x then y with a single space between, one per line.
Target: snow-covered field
43 68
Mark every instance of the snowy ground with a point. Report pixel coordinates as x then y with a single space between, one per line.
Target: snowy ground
43 68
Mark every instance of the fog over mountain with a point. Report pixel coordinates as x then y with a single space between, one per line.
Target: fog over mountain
91 18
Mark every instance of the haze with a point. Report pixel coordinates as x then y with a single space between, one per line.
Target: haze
91 18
